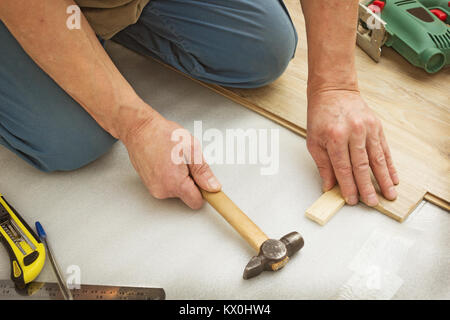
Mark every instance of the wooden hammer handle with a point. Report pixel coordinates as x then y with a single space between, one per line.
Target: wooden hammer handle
238 219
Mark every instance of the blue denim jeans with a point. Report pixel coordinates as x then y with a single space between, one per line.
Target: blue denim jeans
236 43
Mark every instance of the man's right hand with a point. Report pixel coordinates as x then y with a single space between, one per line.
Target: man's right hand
346 140
150 147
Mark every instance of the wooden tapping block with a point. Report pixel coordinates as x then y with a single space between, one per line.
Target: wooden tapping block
326 206
331 201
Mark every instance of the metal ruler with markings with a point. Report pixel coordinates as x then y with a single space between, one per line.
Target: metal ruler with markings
51 291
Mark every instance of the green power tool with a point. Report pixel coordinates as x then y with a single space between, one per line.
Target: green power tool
417 29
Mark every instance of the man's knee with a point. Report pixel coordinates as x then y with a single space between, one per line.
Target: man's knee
275 47
58 144
235 43
72 149
263 54
274 54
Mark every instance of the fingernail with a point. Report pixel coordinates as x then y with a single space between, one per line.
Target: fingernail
392 193
372 200
326 187
395 178
352 200
214 184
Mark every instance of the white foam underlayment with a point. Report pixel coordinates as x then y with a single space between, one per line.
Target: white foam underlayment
102 219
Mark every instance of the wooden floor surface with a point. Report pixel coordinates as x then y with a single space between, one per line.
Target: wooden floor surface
413 106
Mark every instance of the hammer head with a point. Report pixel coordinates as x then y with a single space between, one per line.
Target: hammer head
274 254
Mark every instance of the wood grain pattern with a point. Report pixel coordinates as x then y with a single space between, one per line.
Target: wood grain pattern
326 206
413 106
409 196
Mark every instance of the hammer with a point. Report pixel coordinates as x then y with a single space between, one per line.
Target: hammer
272 254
